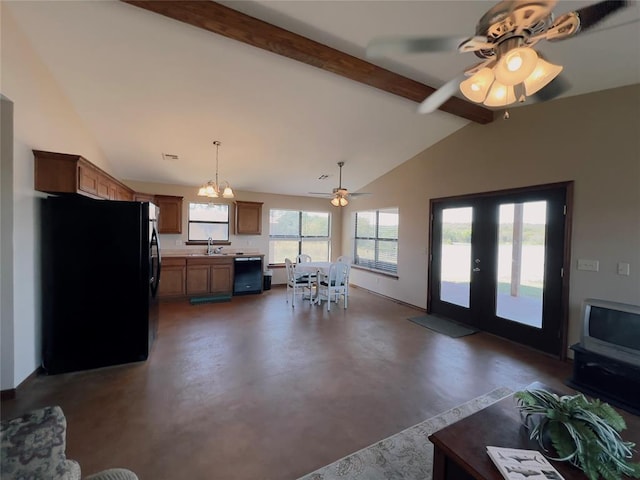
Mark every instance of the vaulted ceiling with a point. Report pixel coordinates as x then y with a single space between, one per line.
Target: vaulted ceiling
145 84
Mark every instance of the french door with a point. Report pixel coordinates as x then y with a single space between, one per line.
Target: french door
497 263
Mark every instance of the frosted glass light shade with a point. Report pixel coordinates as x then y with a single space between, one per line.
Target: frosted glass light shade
500 95
202 192
476 87
227 193
516 65
339 201
542 74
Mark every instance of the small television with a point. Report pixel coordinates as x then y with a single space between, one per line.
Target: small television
612 330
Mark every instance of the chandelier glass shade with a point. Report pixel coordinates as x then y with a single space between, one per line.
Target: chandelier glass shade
216 189
518 71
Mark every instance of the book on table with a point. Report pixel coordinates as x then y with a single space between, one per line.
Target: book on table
520 464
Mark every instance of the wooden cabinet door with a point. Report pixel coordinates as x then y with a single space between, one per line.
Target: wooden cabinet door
198 279
113 191
103 187
123 194
173 281
221 278
170 219
87 179
248 218
144 197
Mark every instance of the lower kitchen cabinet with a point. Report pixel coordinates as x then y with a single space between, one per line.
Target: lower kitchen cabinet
173 278
209 276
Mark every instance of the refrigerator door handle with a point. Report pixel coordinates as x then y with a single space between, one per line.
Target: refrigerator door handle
156 263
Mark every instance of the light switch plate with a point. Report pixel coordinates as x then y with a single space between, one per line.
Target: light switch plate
623 268
588 265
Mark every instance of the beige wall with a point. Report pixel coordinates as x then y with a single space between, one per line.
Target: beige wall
43 119
593 140
244 243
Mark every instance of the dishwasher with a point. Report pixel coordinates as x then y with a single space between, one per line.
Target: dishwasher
247 275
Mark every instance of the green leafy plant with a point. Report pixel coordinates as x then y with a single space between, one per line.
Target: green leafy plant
582 432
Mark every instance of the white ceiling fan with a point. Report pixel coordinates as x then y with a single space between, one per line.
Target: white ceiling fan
340 196
510 70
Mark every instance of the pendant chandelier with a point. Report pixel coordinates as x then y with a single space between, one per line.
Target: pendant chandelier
213 189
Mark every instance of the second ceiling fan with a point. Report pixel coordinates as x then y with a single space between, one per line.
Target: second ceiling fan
340 195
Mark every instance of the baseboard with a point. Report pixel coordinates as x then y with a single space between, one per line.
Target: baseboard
395 300
8 394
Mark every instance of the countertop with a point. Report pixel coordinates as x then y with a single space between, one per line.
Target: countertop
215 255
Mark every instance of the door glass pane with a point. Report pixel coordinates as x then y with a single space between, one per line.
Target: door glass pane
521 259
455 273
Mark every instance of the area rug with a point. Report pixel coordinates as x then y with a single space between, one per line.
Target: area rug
443 325
406 455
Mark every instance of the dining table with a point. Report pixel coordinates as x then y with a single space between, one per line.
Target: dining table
314 268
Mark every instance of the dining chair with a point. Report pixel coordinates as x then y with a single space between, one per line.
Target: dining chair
301 258
295 281
334 283
344 259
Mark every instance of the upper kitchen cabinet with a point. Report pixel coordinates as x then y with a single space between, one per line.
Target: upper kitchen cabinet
170 219
248 218
65 173
144 197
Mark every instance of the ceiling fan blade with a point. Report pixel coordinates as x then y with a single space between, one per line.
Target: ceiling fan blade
323 194
553 89
359 194
437 98
594 14
381 47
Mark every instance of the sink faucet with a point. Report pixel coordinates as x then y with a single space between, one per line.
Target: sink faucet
210 249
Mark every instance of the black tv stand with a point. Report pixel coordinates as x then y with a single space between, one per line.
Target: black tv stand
613 381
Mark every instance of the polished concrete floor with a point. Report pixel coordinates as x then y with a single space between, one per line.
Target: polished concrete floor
253 389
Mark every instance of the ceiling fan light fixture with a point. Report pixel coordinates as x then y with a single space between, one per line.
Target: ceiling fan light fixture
476 87
541 76
213 189
516 65
339 201
500 95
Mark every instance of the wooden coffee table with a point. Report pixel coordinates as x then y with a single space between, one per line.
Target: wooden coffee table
460 449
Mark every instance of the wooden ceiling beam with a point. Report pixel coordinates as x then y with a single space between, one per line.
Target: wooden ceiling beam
223 20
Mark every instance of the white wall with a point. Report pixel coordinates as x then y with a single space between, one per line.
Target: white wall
43 119
590 139
6 244
245 243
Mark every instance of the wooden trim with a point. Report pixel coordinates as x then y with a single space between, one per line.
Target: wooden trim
395 300
566 269
9 394
216 18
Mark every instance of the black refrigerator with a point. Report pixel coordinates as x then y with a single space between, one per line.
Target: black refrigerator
100 275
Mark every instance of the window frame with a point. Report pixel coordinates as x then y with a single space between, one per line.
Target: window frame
300 237
205 242
374 265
